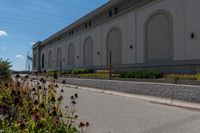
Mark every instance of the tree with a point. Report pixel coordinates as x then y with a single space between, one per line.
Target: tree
5 66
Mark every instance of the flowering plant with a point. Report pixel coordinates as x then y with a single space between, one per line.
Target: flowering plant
30 105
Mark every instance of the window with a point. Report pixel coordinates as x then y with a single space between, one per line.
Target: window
110 13
71 33
90 23
86 25
116 10
59 38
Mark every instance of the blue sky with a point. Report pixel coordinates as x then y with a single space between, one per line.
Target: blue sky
23 22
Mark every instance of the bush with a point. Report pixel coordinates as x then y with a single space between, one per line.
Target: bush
181 76
98 75
5 71
102 71
51 73
36 109
67 72
82 71
149 74
198 76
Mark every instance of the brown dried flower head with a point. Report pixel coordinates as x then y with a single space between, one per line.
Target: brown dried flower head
81 125
63 82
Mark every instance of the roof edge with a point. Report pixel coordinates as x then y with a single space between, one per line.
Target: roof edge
82 19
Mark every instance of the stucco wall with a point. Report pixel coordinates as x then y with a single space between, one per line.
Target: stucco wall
95 34
175 8
186 20
192 25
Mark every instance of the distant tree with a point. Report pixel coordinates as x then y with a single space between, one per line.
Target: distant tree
5 69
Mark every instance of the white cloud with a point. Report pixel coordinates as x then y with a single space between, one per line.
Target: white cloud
19 56
3 48
32 43
3 33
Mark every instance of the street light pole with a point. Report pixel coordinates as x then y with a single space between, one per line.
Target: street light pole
60 66
110 66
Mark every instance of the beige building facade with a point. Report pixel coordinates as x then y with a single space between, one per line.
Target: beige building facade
137 33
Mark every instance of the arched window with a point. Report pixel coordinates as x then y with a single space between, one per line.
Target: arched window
43 61
71 55
159 37
88 52
50 59
114 45
59 58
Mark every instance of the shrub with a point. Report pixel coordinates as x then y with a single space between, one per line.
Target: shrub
52 73
181 76
149 74
5 71
106 71
67 72
102 71
82 70
98 75
36 109
198 76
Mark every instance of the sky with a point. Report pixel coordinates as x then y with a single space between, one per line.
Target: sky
24 22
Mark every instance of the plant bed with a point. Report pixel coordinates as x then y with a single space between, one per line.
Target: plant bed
145 74
148 75
35 106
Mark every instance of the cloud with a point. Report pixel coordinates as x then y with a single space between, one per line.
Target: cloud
3 33
19 56
32 43
3 48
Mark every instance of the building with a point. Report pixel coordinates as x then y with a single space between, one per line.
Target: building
140 33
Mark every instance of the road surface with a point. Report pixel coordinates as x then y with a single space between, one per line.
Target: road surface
117 114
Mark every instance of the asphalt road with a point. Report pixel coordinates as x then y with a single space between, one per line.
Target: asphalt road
117 114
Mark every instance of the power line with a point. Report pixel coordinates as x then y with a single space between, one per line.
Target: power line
28 22
43 7
35 17
26 28
50 9
35 11
29 33
22 27
64 4
25 21
39 12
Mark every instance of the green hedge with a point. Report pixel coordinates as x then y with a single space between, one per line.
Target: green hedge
149 74
82 71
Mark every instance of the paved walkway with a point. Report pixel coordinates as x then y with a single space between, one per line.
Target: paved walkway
124 114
